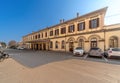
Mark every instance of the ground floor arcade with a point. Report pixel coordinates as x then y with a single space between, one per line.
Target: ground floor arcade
39 46
70 43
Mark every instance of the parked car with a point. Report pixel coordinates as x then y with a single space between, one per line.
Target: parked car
95 52
78 51
112 52
20 48
13 47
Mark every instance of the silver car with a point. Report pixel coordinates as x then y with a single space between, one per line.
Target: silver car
95 52
78 51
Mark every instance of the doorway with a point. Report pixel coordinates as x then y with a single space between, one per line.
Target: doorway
44 46
93 43
40 46
36 47
71 46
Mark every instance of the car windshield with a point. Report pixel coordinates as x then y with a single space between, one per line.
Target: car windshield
116 49
94 48
78 48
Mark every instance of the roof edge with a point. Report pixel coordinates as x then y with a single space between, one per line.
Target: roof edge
98 10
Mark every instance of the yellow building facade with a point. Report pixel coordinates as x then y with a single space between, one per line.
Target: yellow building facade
84 31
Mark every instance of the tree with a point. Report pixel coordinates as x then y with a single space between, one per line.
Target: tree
12 44
3 44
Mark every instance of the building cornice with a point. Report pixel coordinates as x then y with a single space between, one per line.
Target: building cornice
78 34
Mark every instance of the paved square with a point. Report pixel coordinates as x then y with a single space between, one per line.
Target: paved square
55 67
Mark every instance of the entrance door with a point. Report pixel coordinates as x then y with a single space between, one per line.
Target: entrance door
40 46
93 43
32 46
71 46
36 46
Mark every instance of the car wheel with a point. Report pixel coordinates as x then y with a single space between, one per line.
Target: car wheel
6 56
108 57
105 55
74 54
81 55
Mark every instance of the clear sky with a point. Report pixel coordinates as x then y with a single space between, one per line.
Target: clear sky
20 17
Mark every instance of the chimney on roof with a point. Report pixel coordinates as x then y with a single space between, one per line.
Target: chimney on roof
62 20
77 14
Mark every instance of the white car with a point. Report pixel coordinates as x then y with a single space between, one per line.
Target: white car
78 51
112 52
20 48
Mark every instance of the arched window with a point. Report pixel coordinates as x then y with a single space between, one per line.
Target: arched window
51 44
63 44
93 42
113 42
81 43
56 44
38 35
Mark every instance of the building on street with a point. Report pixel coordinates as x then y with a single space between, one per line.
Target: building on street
85 31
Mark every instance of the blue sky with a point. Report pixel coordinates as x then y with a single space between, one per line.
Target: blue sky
20 17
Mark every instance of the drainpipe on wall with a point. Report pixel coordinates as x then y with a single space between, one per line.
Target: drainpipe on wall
104 39
65 40
48 40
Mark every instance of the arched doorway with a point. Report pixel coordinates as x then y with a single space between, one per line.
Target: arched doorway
71 46
56 44
44 46
36 46
113 42
93 42
40 46
71 43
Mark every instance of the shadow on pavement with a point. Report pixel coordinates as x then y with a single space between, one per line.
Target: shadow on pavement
34 59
